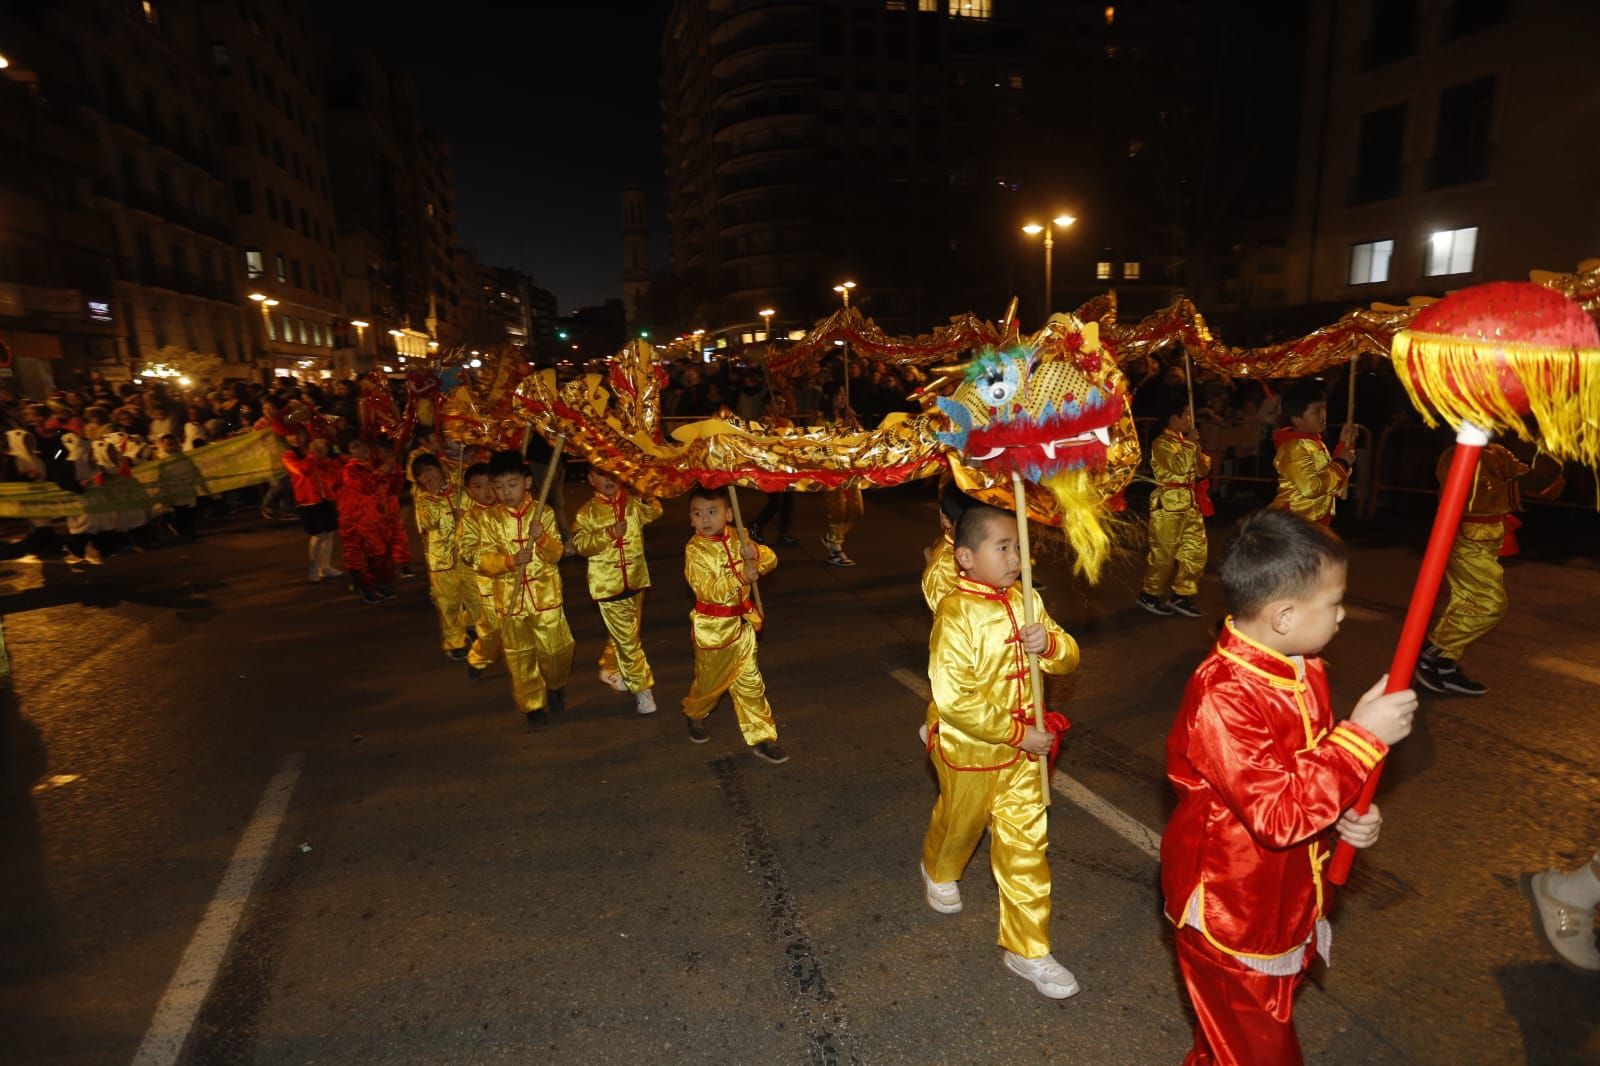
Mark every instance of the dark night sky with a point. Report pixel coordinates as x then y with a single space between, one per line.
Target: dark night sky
551 108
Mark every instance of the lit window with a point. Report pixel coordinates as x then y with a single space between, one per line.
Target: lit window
1450 251
970 9
149 9
252 263
1130 271
302 331
1014 81
894 5
1102 270
1110 15
1369 262
272 328
928 5
283 269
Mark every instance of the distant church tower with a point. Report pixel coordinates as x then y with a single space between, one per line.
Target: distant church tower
635 255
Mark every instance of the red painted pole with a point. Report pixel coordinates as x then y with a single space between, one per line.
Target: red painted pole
1470 441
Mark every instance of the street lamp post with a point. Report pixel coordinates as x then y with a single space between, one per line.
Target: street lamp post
843 289
1033 229
766 318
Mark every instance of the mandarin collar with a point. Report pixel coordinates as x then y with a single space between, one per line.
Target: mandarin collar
1234 645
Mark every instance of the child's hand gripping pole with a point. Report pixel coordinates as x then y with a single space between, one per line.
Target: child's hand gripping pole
1470 441
738 523
537 517
1035 675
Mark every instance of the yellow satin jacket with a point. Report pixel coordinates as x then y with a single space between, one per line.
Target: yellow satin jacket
490 540
473 511
616 567
437 521
1309 479
978 671
940 575
714 567
1176 463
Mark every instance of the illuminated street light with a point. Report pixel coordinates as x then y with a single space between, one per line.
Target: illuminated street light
766 320
843 289
1033 229
269 303
258 296
358 324
4 62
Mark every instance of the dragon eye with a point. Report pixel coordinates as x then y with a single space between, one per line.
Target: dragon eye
996 390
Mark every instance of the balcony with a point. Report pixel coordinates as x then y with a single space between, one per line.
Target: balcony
142 200
154 276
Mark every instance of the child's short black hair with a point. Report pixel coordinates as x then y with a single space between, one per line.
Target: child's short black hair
1301 395
973 524
700 492
1274 555
953 503
509 462
424 461
475 470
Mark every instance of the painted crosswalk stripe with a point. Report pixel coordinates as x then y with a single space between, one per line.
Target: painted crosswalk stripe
1108 814
180 1004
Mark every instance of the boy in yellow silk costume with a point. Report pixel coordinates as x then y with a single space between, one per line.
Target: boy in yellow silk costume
516 543
985 747
1178 507
1477 582
609 532
477 498
451 584
1309 479
720 569
939 573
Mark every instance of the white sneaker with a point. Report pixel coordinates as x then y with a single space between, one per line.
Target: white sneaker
328 571
614 679
943 896
1050 977
646 702
1567 930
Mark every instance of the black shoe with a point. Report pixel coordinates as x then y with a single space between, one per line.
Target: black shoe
556 700
770 751
1443 675
697 730
538 720
1153 605
755 535
370 596
472 635
407 572
457 655
1185 606
475 673
788 541
386 592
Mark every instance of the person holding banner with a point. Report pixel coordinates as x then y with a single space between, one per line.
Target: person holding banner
1262 772
1309 479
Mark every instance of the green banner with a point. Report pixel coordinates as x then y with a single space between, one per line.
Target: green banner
231 463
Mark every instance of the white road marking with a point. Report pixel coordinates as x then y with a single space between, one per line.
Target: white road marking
1129 828
55 781
1567 668
180 1004
1364 614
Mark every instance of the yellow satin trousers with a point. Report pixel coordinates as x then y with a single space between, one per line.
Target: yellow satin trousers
624 652
1477 590
733 670
1010 804
1177 552
843 508
538 651
455 596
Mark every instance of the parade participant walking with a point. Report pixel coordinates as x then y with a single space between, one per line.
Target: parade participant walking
1309 479
518 544
315 482
364 523
843 507
1177 530
984 748
609 532
1262 772
479 498
1477 582
720 569
451 584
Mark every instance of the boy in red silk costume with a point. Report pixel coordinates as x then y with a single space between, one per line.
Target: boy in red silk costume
1262 772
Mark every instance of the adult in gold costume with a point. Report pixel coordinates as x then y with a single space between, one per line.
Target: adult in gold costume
609 532
984 747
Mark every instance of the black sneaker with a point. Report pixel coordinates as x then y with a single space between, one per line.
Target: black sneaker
370 596
770 751
1153 605
755 535
697 730
475 673
406 572
556 700
1184 605
538 720
386 592
1443 675
457 655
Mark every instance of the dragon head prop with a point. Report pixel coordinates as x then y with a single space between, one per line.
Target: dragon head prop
1053 408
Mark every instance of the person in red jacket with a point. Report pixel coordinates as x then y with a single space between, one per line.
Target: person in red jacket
385 458
365 523
1262 772
315 479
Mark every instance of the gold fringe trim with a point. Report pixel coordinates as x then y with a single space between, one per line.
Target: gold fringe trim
1084 520
1460 381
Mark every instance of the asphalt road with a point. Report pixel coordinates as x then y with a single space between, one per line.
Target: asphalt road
447 887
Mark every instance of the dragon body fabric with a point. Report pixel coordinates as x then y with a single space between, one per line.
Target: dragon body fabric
1066 420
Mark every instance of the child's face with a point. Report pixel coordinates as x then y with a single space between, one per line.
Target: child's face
708 517
170 446
479 488
1180 422
605 486
431 479
1314 420
1307 623
997 560
510 488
